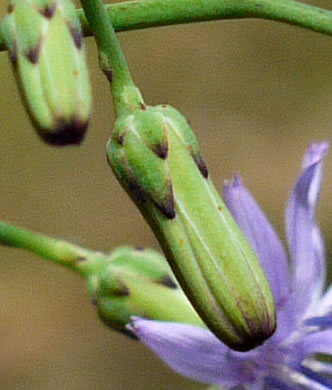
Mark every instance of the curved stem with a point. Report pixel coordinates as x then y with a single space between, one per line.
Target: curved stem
134 15
57 251
111 57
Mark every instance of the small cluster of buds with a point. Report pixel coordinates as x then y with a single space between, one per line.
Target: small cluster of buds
155 156
135 282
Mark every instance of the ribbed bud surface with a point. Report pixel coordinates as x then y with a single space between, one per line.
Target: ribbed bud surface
155 156
47 51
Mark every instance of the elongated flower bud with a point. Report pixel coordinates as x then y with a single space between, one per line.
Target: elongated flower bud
45 43
156 158
136 282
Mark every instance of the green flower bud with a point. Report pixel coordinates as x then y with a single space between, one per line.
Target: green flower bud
136 282
155 156
46 47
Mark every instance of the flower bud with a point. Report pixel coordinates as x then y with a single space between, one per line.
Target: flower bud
47 51
136 282
155 156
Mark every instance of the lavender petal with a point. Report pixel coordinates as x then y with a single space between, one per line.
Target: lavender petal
305 242
191 351
315 342
261 236
318 378
325 303
321 322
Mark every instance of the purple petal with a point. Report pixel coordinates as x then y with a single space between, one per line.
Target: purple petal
298 379
319 367
277 384
257 385
325 304
261 236
305 242
286 321
322 322
316 342
323 380
191 351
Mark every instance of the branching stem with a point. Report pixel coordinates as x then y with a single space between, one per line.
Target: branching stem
133 15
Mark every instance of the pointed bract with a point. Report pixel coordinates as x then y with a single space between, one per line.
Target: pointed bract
136 282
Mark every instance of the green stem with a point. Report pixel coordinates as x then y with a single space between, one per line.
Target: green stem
57 251
112 60
134 15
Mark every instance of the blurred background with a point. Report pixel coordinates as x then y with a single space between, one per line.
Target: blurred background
257 94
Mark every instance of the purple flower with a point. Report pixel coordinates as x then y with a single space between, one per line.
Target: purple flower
288 360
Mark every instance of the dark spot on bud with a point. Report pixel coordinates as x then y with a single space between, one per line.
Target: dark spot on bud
201 165
139 248
11 8
161 150
257 336
220 208
65 133
49 11
121 291
13 55
109 74
136 190
77 37
33 54
120 139
168 207
167 281
94 302
143 106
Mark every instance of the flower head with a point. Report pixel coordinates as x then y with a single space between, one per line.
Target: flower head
288 360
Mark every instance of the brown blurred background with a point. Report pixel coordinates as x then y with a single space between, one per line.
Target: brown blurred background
256 92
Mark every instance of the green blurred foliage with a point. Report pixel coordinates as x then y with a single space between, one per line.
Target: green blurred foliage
256 92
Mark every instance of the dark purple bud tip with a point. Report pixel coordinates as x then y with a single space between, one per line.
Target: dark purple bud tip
77 37
161 150
33 54
201 165
66 133
167 207
49 11
167 281
258 336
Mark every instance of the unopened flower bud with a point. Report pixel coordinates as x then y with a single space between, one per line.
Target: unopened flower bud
136 282
46 47
156 158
